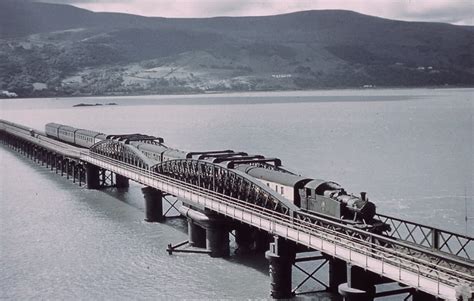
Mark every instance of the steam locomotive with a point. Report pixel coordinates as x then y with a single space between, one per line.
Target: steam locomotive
325 198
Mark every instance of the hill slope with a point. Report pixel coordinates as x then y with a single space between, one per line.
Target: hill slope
48 49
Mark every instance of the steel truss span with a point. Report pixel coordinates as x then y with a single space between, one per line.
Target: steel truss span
123 152
214 177
228 182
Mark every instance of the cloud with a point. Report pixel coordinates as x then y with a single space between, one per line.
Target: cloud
79 2
441 11
451 11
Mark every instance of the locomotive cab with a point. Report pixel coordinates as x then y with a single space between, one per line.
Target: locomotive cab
315 197
329 198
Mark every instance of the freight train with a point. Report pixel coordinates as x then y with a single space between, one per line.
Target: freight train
325 198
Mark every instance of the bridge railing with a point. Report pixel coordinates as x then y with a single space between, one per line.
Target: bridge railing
39 139
430 237
389 251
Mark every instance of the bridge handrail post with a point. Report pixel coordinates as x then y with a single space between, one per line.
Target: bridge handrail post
309 240
438 281
435 239
382 256
418 276
399 269
321 239
367 256
350 252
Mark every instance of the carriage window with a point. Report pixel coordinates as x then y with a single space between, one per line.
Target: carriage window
276 188
308 192
268 184
282 191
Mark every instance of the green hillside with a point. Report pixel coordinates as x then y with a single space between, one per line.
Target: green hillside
57 50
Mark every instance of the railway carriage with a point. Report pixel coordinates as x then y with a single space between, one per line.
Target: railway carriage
286 184
152 151
66 133
87 138
52 130
80 137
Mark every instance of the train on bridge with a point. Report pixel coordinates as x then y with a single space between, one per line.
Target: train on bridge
255 191
325 198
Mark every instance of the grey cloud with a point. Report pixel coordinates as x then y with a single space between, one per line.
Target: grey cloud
76 1
450 11
454 14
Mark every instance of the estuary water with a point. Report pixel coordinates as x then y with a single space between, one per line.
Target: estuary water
410 149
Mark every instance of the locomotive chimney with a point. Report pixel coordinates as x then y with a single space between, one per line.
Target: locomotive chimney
363 195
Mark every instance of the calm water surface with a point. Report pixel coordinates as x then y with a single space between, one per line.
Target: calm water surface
412 150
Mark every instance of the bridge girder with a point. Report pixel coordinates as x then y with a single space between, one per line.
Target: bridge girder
124 152
229 182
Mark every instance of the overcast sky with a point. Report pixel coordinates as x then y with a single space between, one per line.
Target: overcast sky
449 11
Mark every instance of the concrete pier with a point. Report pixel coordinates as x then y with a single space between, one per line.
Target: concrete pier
121 181
196 234
153 204
281 257
360 285
262 240
337 273
92 177
210 226
244 238
217 237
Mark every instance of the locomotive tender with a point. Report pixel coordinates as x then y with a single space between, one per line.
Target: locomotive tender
324 198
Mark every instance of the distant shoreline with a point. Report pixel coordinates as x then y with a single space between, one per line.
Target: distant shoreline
235 92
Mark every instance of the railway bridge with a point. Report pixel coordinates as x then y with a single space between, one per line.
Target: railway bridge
427 262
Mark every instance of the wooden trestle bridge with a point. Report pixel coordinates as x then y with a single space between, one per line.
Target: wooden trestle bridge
429 263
